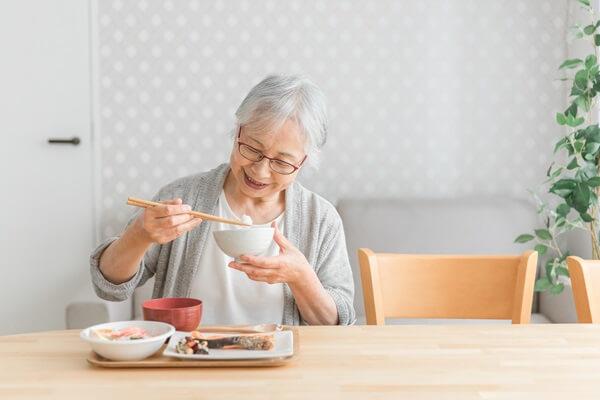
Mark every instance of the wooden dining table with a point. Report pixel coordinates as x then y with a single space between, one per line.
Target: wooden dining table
473 361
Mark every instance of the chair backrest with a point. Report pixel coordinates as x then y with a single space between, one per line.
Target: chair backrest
585 280
447 286
487 224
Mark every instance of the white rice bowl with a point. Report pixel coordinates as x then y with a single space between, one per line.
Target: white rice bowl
128 350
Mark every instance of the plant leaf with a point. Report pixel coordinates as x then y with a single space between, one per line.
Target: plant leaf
541 249
581 102
561 143
571 110
572 63
582 197
597 40
592 147
584 2
575 122
581 79
588 30
592 133
556 173
575 91
524 238
573 164
586 171
543 234
586 217
563 187
557 289
590 60
594 182
542 284
560 118
563 209
549 169
548 266
562 271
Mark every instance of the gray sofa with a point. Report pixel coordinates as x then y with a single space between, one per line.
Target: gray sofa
472 225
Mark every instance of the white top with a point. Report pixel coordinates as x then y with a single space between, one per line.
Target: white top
228 295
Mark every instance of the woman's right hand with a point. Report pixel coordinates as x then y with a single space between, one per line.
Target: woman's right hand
166 222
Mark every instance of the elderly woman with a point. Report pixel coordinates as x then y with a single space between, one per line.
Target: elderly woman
303 278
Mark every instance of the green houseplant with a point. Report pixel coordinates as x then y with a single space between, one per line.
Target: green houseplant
574 185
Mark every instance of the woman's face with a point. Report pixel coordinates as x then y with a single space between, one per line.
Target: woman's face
257 179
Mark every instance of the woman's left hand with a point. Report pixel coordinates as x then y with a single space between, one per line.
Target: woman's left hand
288 267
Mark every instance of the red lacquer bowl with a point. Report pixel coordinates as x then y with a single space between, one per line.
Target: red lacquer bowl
181 312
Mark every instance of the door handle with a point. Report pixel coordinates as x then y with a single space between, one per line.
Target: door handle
74 141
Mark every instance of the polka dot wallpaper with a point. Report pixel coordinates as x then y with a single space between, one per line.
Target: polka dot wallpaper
426 99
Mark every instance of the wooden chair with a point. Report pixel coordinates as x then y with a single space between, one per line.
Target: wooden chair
585 280
447 286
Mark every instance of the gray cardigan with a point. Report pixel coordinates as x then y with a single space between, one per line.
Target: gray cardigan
312 224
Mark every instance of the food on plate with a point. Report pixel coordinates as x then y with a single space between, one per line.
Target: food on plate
189 345
129 333
197 343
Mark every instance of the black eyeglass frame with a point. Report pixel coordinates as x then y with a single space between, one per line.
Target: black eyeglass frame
262 156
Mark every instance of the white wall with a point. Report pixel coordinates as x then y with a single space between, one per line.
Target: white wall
434 99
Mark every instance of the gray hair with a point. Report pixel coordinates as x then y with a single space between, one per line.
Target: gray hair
278 98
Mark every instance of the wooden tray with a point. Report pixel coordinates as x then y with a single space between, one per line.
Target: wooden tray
158 360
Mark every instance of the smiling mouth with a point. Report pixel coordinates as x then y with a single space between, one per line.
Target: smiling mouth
252 183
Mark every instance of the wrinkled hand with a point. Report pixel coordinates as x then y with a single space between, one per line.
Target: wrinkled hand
289 266
166 222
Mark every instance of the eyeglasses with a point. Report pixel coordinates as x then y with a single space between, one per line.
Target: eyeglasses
277 165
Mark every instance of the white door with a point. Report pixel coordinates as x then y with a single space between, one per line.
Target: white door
46 218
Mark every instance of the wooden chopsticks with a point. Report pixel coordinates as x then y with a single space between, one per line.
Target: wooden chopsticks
132 201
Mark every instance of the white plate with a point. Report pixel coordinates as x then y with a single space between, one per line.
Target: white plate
284 347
